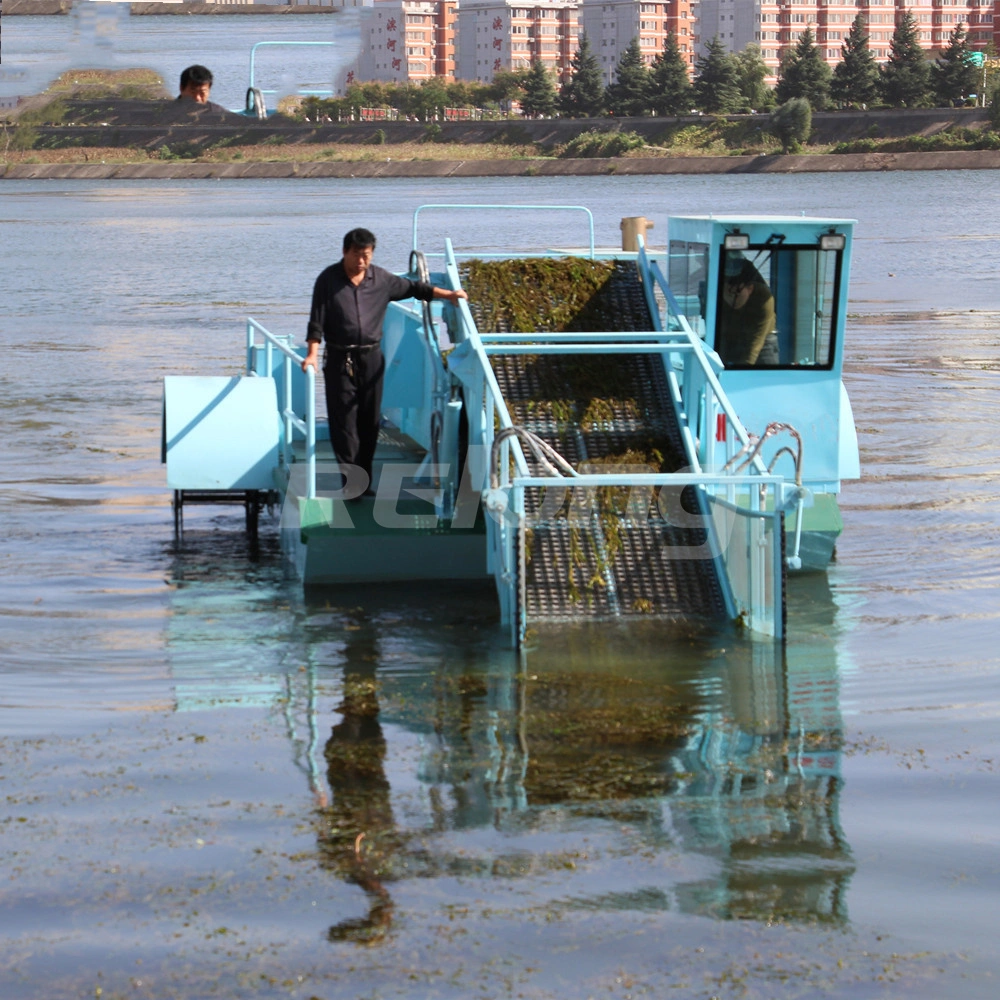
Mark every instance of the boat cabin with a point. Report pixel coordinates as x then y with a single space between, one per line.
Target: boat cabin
768 295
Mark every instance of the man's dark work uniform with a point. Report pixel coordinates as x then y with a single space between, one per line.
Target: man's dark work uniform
348 319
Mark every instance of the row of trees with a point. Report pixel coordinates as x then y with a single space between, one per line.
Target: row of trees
724 83
423 101
906 80
731 83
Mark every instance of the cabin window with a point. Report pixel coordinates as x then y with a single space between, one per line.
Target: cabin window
777 306
687 275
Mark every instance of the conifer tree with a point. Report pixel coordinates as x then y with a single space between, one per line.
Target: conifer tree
906 74
855 81
582 95
669 86
539 91
715 88
804 73
628 96
751 71
954 76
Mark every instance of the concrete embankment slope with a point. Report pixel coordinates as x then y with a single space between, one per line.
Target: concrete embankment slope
848 162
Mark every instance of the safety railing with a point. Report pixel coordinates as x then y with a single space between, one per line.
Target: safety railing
744 525
309 92
746 539
429 335
706 406
291 422
506 209
708 413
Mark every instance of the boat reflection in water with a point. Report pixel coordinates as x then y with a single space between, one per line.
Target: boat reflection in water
662 768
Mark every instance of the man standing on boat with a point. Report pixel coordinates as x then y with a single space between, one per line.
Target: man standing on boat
349 302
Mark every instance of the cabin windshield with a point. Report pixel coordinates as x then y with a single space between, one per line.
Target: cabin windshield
777 306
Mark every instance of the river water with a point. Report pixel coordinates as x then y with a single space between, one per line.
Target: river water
37 49
190 745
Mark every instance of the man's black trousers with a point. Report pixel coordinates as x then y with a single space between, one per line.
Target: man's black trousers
353 380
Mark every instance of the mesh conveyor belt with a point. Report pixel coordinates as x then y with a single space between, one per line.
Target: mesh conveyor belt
657 568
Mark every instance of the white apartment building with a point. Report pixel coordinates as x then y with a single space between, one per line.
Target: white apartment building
777 26
414 40
403 41
610 25
503 35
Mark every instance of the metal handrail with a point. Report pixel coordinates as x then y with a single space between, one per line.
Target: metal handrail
651 274
508 473
418 266
311 92
290 419
506 208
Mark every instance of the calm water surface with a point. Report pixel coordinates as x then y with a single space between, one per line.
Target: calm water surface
189 746
37 49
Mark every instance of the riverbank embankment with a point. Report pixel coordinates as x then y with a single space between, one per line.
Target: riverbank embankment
777 164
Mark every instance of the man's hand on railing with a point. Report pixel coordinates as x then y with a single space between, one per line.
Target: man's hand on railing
452 295
312 358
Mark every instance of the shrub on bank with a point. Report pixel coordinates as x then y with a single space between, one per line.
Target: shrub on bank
597 143
791 124
952 139
94 84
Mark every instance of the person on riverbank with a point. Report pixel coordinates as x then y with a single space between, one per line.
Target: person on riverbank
349 302
196 85
745 332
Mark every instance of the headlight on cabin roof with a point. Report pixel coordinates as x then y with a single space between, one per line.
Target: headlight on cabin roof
832 241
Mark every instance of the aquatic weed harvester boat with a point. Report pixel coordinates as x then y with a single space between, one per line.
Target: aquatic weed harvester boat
582 430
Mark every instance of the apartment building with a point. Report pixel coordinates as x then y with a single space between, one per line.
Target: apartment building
610 25
504 35
777 26
405 41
